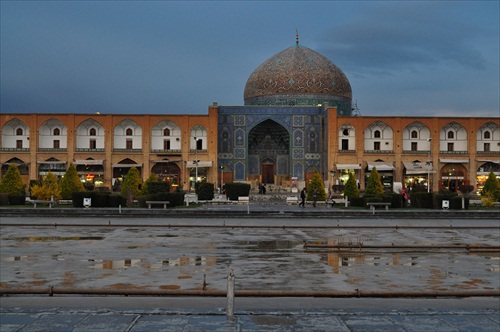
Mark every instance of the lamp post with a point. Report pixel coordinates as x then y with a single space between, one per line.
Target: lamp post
196 160
429 166
222 179
332 172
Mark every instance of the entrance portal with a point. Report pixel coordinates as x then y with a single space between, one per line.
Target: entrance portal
269 152
268 173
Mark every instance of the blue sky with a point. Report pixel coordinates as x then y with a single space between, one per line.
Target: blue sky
426 58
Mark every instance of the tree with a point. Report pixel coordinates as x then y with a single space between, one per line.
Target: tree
374 186
48 189
145 187
316 183
12 182
131 185
351 188
71 183
491 185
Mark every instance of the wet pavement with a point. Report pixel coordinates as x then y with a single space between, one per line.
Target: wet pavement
162 254
251 314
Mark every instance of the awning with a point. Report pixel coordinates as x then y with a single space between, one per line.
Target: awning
126 165
348 166
453 161
164 161
51 162
418 168
380 166
88 162
489 161
200 164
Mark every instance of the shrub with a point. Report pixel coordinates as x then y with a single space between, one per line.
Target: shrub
17 199
48 189
456 203
316 183
205 191
437 201
357 201
175 198
4 199
12 183
374 186
78 197
237 189
131 185
351 188
421 200
158 187
71 183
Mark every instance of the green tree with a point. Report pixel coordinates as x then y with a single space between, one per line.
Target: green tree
351 188
145 187
316 183
491 185
131 185
48 189
71 183
12 182
374 186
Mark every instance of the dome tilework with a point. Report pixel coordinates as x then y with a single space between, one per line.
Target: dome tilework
300 76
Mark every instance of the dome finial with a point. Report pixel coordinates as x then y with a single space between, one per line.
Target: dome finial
296 36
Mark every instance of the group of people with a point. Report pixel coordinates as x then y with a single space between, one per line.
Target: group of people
303 195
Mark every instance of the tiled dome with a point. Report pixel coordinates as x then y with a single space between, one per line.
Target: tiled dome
299 76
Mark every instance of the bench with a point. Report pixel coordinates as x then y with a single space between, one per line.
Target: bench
372 205
244 199
190 198
292 200
37 201
165 203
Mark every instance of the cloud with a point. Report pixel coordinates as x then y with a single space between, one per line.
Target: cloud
385 39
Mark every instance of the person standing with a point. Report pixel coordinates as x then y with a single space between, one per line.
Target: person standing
315 196
302 198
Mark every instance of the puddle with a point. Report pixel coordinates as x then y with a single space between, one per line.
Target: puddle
56 238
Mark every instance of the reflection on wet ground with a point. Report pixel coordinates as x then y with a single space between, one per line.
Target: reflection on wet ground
263 259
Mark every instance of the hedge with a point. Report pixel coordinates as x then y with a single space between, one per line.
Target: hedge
237 189
17 199
98 199
175 198
205 191
4 199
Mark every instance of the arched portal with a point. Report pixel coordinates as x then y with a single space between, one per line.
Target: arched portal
269 151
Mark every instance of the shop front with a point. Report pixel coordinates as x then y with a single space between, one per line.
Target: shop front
484 171
198 172
453 174
52 165
417 175
120 170
91 172
343 171
167 171
386 172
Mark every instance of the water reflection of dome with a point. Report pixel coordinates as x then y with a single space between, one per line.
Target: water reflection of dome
299 76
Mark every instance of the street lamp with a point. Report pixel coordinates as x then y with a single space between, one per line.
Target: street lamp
196 160
222 179
429 166
332 172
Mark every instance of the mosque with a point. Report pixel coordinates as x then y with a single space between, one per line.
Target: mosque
297 119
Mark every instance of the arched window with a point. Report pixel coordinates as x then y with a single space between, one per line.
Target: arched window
414 134
19 131
487 135
128 132
376 134
57 132
166 132
451 135
345 132
92 132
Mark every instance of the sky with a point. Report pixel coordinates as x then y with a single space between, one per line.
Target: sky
405 58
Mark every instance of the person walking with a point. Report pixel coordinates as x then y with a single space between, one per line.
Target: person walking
315 196
302 198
